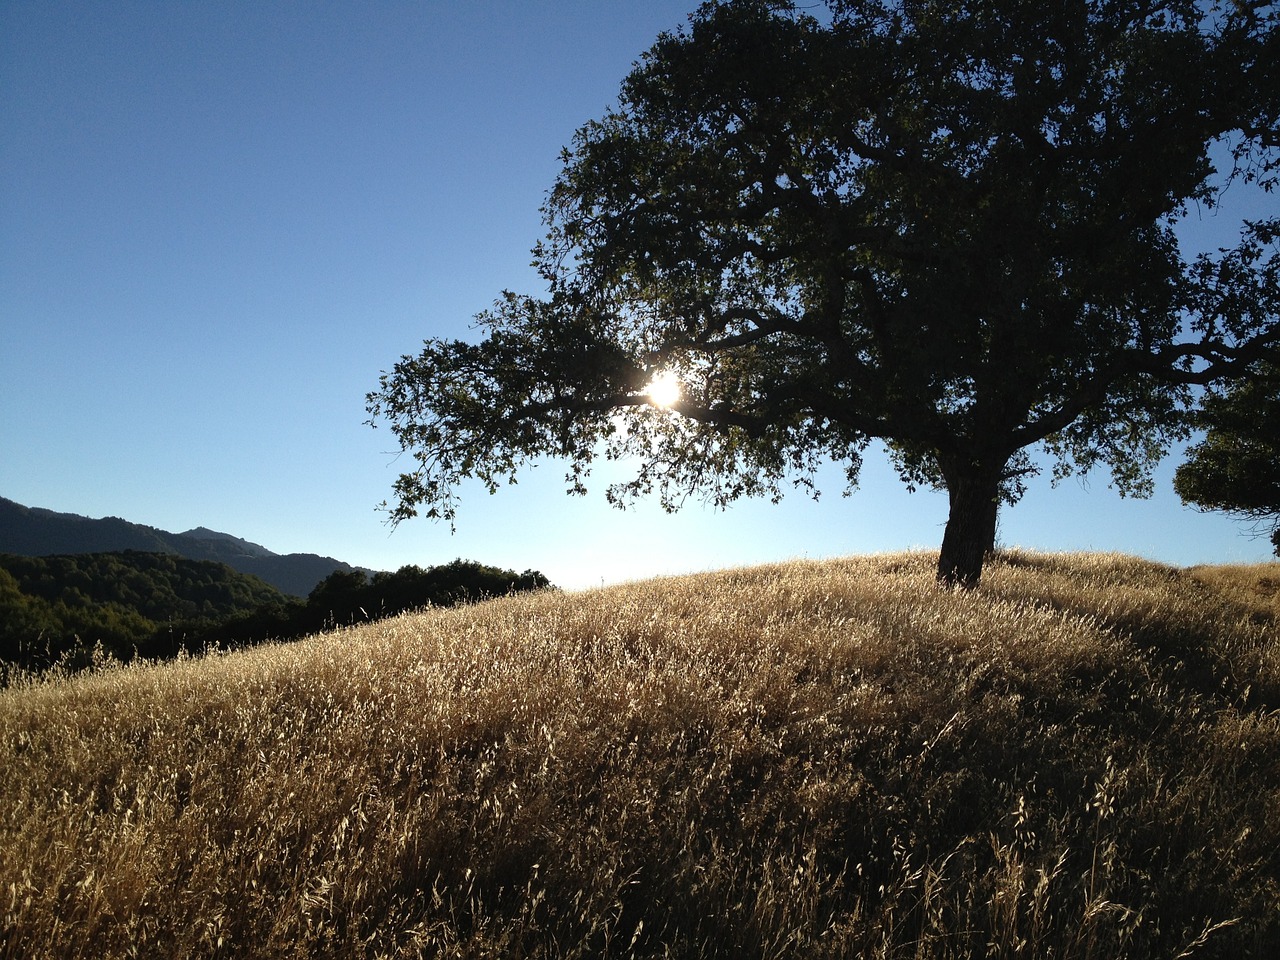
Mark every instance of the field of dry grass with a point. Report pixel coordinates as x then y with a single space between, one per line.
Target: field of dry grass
812 760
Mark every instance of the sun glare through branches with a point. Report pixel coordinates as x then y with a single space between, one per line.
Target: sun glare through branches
664 389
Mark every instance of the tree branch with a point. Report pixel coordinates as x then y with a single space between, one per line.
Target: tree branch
1165 365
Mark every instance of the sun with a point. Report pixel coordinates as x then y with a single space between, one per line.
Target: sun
664 389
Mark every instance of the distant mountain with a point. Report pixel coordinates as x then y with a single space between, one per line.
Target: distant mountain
244 546
37 532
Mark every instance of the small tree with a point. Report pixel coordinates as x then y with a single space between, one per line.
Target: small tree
944 226
1236 467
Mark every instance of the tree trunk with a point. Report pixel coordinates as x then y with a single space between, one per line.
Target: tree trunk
971 528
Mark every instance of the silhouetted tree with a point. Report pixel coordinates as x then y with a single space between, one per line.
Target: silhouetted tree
1236 467
336 598
946 226
347 597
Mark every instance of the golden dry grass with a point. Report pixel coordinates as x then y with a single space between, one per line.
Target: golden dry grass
834 759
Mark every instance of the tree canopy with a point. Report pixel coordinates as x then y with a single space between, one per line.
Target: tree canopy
60 609
62 606
347 597
945 226
1236 467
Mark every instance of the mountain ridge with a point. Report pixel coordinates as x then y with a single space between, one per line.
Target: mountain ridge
40 532
247 547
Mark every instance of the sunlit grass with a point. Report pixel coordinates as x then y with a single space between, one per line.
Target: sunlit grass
835 759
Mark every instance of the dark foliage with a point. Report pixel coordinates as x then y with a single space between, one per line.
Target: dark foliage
344 598
62 609
130 603
1236 467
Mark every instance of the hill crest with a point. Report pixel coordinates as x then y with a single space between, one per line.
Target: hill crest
247 547
829 759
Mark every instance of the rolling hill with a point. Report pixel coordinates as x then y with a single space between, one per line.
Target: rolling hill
837 759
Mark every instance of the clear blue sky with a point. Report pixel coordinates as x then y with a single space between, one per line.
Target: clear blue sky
220 221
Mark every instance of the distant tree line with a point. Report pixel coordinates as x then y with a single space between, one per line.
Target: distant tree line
61 609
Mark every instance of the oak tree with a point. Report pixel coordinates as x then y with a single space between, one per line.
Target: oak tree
947 226
1236 466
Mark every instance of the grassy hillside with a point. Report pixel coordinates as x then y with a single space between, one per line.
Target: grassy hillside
837 759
